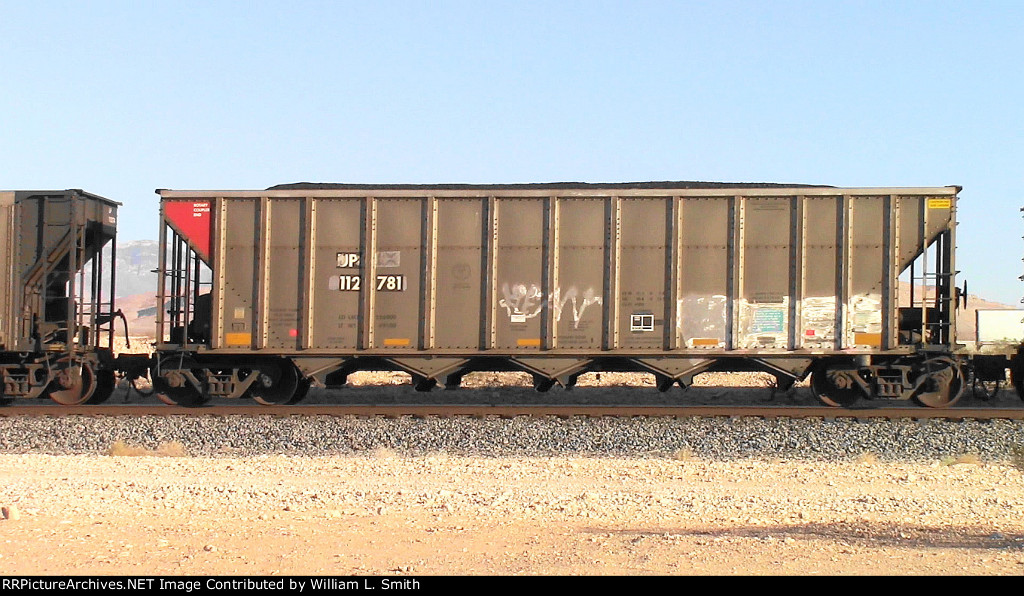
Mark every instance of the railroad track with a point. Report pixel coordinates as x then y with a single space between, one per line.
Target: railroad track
509 411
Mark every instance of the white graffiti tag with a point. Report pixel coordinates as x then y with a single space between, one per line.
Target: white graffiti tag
522 302
558 303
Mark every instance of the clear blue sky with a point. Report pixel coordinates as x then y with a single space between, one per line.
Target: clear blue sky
120 98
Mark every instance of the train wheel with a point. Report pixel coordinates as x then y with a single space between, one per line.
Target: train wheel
277 384
834 388
105 385
74 385
174 389
303 390
944 386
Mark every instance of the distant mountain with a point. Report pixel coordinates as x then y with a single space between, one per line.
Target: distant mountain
136 265
137 262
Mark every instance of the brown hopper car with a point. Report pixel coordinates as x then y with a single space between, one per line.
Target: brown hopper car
56 300
268 291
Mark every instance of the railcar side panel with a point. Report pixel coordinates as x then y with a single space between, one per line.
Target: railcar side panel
237 270
865 284
284 283
762 312
578 298
395 285
457 321
704 281
335 318
521 288
820 271
642 290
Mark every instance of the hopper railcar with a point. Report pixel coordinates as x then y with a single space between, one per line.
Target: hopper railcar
268 291
57 309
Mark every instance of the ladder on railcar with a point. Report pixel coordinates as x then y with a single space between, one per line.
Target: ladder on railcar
93 313
183 284
68 276
935 297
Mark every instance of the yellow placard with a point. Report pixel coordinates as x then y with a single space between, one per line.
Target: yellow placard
940 203
867 339
396 341
528 343
238 339
704 342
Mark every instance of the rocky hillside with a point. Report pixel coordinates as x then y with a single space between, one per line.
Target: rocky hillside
137 262
136 265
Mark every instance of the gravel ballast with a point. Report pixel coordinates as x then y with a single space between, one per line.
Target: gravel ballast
708 438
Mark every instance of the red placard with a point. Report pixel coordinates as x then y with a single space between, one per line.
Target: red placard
192 220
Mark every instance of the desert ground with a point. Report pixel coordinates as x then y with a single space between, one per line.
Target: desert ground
163 512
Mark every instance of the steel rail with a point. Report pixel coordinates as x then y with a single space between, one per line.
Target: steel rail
511 411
